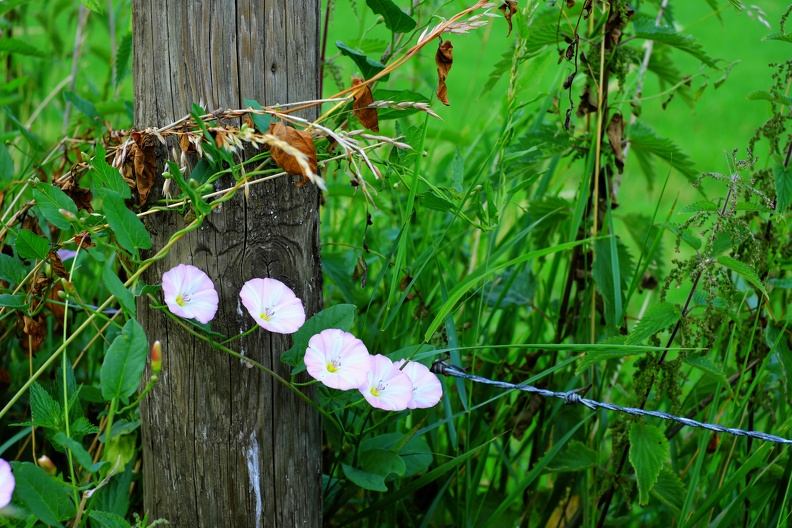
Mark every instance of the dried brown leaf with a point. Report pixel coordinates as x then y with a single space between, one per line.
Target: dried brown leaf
444 59
186 145
144 161
615 132
33 332
363 97
55 304
57 265
299 139
81 197
508 9
83 240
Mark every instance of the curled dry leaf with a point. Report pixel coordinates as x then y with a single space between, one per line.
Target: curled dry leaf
57 265
55 304
508 9
299 139
363 98
81 197
186 145
615 132
33 331
444 60
140 167
83 240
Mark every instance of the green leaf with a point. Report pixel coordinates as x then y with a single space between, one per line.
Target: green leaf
106 177
94 5
20 47
708 367
655 319
686 235
645 141
32 140
15 302
117 288
44 410
42 495
395 19
364 479
457 171
369 68
6 164
79 452
397 96
127 227
696 207
8 5
29 245
122 58
124 363
783 185
743 270
576 457
82 426
189 191
669 489
11 269
339 316
648 451
83 105
262 121
782 37
382 462
50 200
108 520
645 28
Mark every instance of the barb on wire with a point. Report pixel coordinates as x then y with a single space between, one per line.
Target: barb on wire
574 397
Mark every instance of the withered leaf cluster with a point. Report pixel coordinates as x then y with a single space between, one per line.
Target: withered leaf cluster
140 166
299 139
509 8
444 59
363 98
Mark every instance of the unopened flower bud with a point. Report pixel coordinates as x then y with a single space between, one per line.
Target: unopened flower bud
68 215
47 465
156 359
68 287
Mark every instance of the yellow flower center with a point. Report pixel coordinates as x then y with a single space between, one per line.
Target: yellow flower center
267 314
332 367
375 392
180 300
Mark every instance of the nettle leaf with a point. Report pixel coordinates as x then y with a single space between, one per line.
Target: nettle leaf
125 297
122 58
649 449
45 497
645 28
783 185
783 37
697 207
108 520
44 410
369 68
364 479
94 5
686 235
11 269
127 227
655 319
669 489
576 457
30 245
85 106
124 363
708 367
644 141
51 200
395 19
106 177
339 316
744 270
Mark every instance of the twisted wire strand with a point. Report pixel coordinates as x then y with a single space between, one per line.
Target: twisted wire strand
572 397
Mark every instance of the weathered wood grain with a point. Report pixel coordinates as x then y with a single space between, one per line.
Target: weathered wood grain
225 445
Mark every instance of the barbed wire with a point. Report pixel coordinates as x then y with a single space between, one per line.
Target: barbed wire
572 397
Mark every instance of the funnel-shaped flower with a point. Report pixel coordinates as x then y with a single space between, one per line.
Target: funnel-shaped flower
273 305
190 293
386 387
7 483
338 359
427 389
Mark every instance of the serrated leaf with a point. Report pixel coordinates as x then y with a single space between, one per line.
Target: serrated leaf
395 19
20 47
654 320
368 67
124 363
649 449
744 270
50 201
686 235
42 495
122 58
783 185
108 520
364 479
382 462
11 269
6 164
127 227
339 316
117 288
79 452
669 489
783 37
14 302
576 457
106 177
82 426
93 5
30 245
696 207
705 365
85 106
262 121
751 206
645 28
44 410
645 141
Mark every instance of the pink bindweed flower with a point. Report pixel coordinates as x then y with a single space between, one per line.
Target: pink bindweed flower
273 305
427 389
190 293
7 483
386 387
338 359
